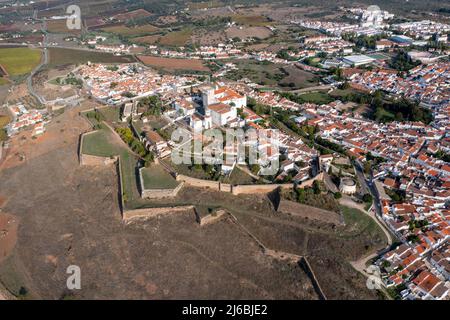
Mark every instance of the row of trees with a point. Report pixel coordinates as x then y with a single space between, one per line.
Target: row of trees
403 109
153 106
136 145
364 41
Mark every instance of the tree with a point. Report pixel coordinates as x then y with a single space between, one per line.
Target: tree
254 168
367 167
3 135
345 85
240 113
403 62
367 198
337 195
23 291
153 105
339 73
301 197
413 238
316 187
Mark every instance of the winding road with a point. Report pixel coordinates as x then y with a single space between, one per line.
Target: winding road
44 62
360 264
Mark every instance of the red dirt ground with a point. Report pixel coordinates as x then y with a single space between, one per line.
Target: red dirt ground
8 234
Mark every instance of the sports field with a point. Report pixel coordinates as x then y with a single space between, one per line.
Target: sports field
18 61
379 56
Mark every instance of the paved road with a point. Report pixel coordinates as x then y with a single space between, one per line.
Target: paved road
361 178
369 187
44 62
360 264
329 183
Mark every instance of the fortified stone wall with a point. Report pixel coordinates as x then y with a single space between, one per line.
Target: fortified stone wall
215 185
243 189
89 160
161 193
211 218
154 212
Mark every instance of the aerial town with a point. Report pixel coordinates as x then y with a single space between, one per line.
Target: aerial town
351 104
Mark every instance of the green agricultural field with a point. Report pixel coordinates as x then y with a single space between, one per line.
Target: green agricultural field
132 32
255 21
59 57
19 61
155 177
205 5
4 120
176 38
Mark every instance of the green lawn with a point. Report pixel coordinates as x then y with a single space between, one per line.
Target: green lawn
357 222
101 143
155 177
19 61
111 114
378 56
316 97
